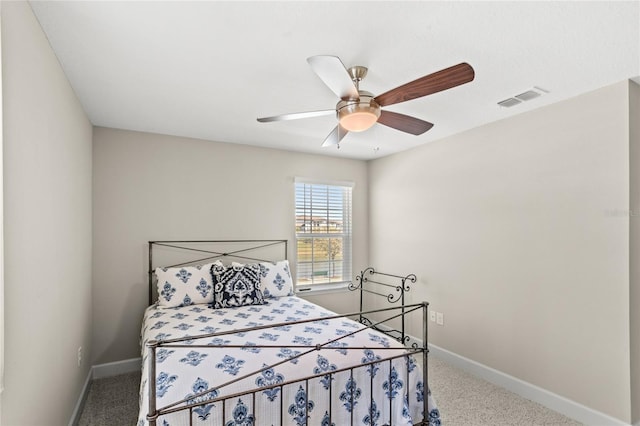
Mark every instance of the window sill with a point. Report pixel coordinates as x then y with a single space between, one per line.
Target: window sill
323 289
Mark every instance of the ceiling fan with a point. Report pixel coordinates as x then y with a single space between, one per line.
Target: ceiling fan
358 110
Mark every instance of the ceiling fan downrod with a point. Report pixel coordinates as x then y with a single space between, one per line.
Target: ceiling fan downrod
357 73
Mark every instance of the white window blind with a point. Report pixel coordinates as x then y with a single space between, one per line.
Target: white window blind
323 233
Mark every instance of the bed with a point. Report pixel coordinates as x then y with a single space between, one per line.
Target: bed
281 360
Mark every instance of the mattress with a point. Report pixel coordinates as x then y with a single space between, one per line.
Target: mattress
345 386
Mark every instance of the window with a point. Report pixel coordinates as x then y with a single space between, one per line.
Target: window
323 233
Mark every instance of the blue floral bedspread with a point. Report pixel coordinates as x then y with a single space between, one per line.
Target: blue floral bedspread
339 399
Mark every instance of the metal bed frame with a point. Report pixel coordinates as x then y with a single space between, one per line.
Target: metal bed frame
364 280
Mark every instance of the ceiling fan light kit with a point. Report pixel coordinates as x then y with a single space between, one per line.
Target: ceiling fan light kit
359 114
358 110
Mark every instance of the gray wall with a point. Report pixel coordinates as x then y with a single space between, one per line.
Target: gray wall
519 233
47 228
154 187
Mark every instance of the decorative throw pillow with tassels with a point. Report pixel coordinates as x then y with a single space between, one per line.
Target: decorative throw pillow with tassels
236 285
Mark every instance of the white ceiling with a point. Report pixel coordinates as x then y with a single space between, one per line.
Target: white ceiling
209 69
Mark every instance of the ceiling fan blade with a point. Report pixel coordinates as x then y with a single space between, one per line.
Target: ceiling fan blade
404 123
432 83
333 73
297 115
335 136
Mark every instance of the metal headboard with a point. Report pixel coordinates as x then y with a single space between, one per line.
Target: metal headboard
203 251
389 286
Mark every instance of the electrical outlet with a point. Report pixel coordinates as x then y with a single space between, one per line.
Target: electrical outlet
79 356
432 316
439 318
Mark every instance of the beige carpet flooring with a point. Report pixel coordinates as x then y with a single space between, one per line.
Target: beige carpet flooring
465 400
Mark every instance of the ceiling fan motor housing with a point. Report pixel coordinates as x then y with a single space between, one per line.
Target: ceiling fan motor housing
357 115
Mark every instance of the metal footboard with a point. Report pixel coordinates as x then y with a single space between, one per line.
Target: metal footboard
203 398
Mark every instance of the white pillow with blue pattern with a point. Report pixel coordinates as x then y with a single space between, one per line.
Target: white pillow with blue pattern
236 285
183 286
276 279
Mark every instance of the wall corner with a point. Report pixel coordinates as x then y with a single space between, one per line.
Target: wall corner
634 248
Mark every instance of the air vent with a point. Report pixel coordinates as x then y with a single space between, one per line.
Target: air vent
528 95
509 102
523 97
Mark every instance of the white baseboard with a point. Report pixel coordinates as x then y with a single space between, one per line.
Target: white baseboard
558 403
562 405
115 368
101 371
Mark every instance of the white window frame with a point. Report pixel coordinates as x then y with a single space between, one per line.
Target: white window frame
347 237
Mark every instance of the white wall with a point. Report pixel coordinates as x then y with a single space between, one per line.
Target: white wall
155 187
515 233
47 228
